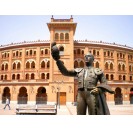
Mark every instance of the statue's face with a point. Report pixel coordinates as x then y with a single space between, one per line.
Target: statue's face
89 59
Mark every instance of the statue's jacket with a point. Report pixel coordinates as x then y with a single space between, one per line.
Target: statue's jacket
88 79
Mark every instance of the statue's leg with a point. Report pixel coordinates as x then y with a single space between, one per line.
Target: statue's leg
91 103
81 104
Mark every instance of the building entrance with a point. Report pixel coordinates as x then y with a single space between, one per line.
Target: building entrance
6 93
41 97
118 97
62 98
22 96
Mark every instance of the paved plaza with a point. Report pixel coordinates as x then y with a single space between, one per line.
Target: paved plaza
71 110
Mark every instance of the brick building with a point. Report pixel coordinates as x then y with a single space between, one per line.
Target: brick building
28 74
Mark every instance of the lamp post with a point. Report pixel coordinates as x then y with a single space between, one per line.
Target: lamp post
58 93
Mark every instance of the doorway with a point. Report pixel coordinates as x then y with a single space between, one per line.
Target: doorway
22 96
118 97
62 98
6 93
41 97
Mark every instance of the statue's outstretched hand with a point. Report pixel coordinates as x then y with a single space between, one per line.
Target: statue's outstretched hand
55 51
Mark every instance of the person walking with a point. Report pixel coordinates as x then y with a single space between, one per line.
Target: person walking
7 104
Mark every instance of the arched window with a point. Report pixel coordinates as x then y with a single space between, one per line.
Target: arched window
13 77
94 52
42 76
18 65
82 52
30 52
61 36
46 51
97 64
16 53
41 52
2 68
81 64
20 54
111 54
13 54
1 77
108 53
123 67
18 76
111 66
119 67
27 53
27 76
130 68
97 53
33 64
5 77
6 67
14 66
107 76
5 55
66 36
106 65
104 53
130 78
34 52
117 55
56 36
124 77
112 77
27 65
75 64
32 76
43 64
48 64
47 76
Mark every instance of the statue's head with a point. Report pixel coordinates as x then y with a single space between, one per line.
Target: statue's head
89 58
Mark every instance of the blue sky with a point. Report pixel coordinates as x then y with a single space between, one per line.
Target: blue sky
108 28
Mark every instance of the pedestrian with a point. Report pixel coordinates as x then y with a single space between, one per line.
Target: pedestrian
7 104
90 95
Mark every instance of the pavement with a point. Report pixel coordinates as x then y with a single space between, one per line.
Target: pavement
71 109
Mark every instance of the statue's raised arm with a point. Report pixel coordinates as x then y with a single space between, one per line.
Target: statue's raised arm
56 57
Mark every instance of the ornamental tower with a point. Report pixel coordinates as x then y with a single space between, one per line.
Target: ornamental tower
61 87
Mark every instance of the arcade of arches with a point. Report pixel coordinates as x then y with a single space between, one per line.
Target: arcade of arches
23 95
119 96
40 96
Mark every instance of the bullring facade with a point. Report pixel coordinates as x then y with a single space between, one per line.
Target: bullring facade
28 74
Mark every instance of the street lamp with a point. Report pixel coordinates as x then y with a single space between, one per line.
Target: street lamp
58 94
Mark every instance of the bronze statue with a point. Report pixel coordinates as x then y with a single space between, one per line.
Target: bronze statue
89 94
